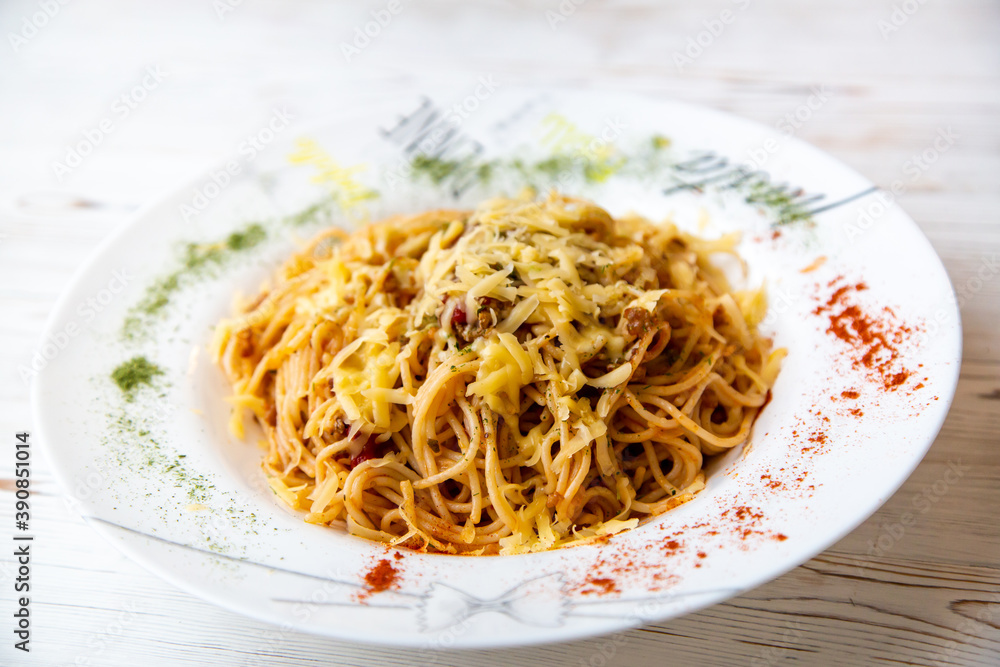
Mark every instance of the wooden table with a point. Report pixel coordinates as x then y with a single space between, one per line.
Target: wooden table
895 74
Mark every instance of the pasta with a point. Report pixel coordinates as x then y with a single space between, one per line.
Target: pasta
531 374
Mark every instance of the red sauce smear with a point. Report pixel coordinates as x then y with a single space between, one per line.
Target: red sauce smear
458 316
368 451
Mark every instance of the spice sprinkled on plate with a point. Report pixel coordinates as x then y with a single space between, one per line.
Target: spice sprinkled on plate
875 338
380 578
133 374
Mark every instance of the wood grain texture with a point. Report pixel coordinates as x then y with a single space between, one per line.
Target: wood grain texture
928 596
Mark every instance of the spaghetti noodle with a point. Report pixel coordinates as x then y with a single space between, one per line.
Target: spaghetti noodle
520 377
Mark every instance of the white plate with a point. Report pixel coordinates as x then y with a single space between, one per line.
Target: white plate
162 479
